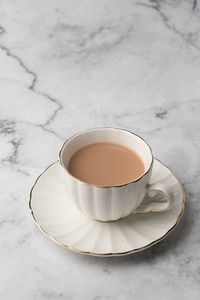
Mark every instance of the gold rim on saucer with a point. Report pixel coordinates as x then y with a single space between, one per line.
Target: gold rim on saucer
110 253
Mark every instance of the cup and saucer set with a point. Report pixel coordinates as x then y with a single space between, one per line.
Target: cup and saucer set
107 220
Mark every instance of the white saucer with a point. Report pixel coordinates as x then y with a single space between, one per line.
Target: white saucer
60 220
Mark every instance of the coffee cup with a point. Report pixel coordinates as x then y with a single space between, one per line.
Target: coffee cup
110 203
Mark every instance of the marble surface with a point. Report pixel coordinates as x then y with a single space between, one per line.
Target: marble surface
70 65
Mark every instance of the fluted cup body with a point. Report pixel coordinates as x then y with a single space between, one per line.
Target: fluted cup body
106 203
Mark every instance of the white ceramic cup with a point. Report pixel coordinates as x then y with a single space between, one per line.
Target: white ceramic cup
111 203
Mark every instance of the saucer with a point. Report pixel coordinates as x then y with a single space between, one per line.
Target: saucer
61 221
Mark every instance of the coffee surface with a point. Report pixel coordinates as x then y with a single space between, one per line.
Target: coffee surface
106 164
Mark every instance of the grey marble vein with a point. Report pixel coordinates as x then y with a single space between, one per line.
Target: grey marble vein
13 157
32 85
157 5
88 42
7 127
194 4
21 63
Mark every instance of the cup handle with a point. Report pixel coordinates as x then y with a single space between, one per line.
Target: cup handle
157 199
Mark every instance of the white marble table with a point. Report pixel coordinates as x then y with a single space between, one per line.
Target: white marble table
70 65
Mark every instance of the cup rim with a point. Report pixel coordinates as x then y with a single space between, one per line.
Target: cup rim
102 186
